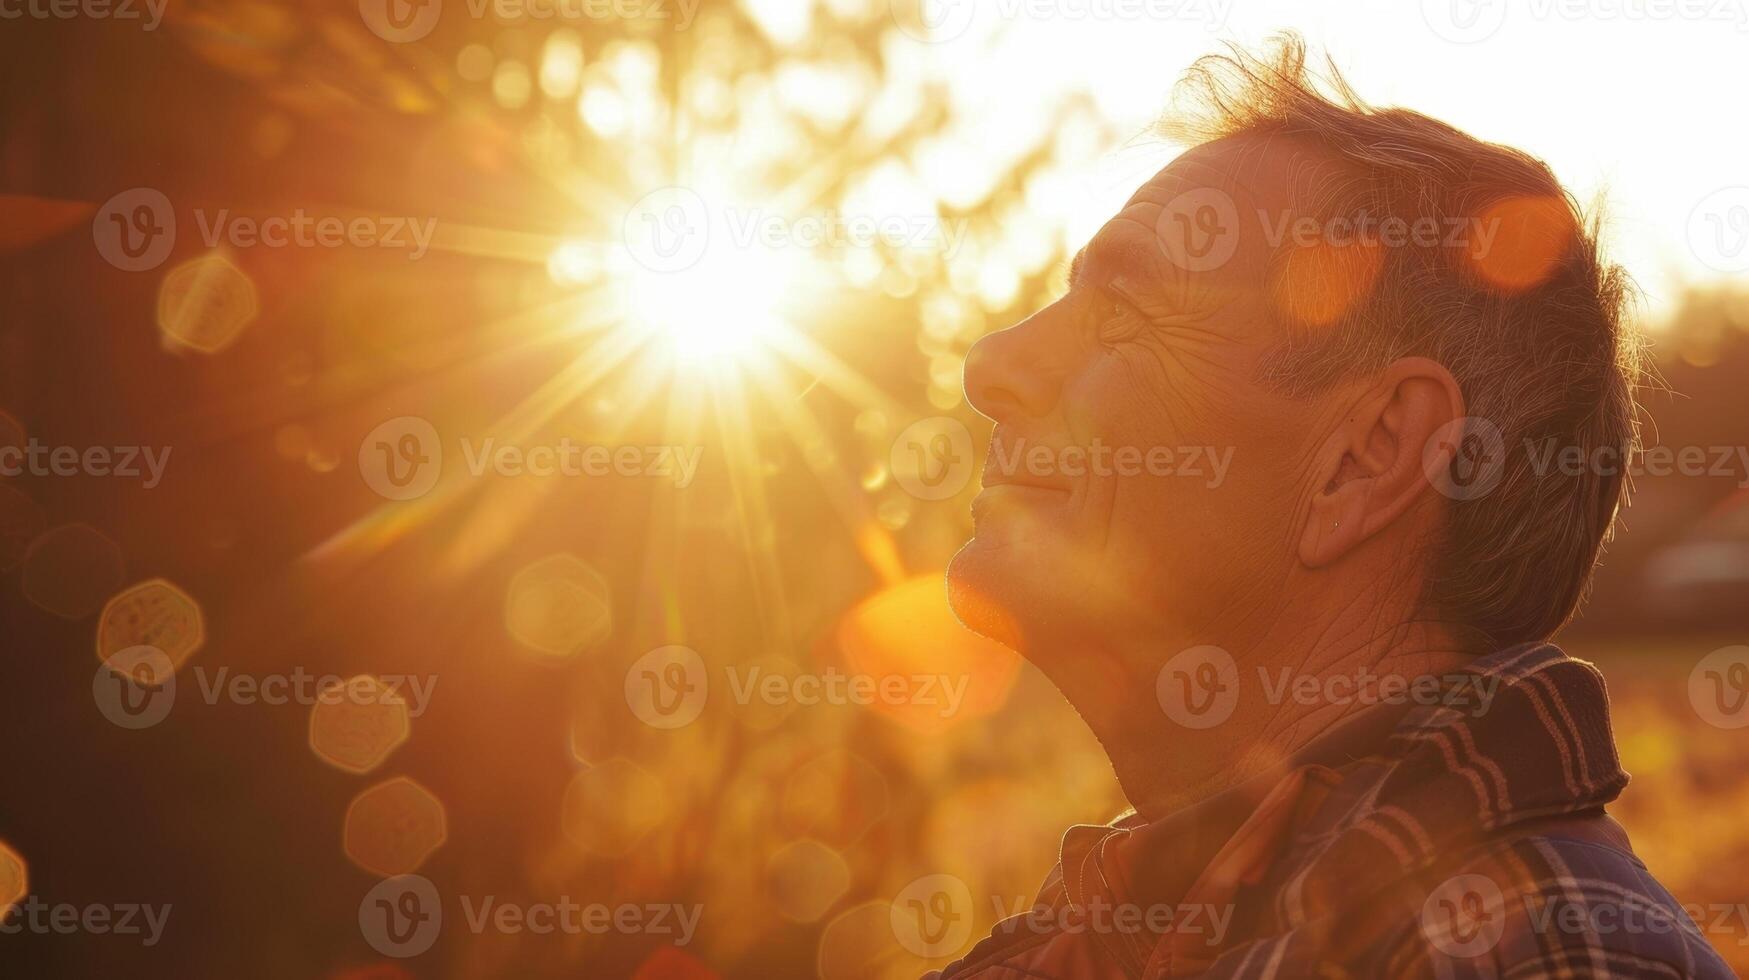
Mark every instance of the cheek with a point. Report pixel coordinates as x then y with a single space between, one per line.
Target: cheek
1201 501
1123 405
1142 423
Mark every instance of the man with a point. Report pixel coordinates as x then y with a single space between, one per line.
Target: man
1323 680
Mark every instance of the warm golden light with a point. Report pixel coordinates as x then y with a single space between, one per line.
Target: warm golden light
719 312
607 395
14 880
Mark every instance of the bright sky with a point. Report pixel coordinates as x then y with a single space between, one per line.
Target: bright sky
1639 98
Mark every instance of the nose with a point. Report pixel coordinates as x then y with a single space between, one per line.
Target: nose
1018 372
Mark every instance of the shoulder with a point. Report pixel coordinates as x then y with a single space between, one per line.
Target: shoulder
1553 904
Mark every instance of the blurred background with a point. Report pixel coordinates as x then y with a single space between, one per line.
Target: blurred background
882 186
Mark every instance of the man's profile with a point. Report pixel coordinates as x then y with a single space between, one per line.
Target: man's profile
1325 684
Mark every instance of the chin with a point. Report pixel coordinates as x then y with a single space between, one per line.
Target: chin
989 590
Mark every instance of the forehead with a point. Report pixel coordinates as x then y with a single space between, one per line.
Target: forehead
1266 169
1205 232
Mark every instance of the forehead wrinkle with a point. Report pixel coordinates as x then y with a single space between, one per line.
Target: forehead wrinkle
1159 289
1259 172
1269 170
1269 177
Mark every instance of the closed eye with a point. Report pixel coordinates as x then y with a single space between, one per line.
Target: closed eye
1114 318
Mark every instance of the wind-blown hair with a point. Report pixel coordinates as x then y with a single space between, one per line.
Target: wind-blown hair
1532 326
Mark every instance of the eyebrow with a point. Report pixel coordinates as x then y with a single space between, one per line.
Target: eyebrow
1127 260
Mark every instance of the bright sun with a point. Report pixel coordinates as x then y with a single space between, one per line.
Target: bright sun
722 310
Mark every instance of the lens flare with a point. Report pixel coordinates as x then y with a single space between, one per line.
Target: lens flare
723 311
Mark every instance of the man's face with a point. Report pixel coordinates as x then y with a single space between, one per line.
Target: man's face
1138 473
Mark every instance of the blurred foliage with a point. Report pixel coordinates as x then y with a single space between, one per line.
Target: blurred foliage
792 827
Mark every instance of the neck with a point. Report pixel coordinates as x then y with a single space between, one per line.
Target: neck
1294 680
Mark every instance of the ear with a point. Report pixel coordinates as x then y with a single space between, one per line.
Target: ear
1376 462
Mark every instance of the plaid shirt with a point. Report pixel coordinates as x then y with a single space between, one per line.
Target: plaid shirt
1453 840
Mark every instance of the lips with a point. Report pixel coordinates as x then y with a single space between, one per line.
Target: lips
992 481
1006 497
1007 466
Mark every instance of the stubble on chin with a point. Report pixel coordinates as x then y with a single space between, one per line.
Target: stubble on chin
982 604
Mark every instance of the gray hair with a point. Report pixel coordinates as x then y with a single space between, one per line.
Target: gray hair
1535 335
